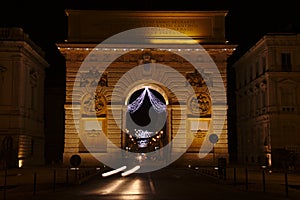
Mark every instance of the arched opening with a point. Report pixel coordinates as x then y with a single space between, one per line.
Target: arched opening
146 120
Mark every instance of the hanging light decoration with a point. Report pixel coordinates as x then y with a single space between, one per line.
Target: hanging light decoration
158 106
136 104
142 136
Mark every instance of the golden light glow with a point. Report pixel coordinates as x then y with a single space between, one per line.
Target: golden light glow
269 160
110 188
174 41
21 162
135 187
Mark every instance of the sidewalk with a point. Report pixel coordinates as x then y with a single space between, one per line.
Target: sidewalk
254 179
32 180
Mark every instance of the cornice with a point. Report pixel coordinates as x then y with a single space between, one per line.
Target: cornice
65 48
25 48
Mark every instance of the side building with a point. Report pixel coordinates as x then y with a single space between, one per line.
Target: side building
268 101
22 71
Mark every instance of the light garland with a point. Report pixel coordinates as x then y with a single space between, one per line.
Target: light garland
134 106
156 103
144 137
158 106
143 134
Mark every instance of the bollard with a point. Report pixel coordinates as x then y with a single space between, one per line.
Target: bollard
264 180
76 175
246 178
286 184
5 181
34 183
54 179
234 176
67 177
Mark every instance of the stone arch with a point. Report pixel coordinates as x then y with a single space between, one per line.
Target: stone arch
138 86
152 86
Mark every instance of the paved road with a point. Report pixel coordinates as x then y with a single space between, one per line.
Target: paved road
164 184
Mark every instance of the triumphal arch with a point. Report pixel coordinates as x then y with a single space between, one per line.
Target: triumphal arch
138 82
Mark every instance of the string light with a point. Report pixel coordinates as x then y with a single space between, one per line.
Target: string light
156 103
136 104
143 136
158 106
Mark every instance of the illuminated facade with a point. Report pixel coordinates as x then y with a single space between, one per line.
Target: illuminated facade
92 115
22 67
268 88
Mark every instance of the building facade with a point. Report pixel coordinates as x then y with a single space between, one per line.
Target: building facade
98 100
22 71
267 95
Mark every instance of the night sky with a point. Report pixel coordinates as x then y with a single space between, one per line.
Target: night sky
247 21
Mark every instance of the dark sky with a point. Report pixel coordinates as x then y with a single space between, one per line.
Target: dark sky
247 21
46 23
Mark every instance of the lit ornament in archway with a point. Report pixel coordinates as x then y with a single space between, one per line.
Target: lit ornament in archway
143 136
158 106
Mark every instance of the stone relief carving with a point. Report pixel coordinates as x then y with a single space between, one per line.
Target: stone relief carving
33 78
263 85
93 133
195 79
93 103
200 134
100 104
146 58
255 90
201 104
93 78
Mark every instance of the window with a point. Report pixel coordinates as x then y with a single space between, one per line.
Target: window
2 82
263 99
257 68
287 96
250 73
32 98
245 76
264 64
286 62
32 147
